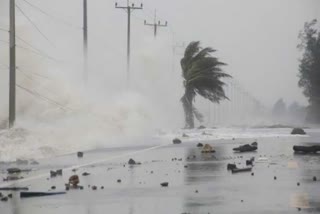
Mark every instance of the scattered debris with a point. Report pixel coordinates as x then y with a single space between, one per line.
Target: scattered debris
246 169
74 180
10 195
85 174
94 187
53 187
13 189
306 149
102 187
245 148
231 166
252 174
4 199
207 149
196 191
79 154
176 141
274 178
39 194
298 184
250 162
164 184
119 180
55 173
298 131
132 162
199 145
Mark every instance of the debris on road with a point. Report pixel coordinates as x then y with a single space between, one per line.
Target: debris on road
176 141
246 169
246 148
74 180
207 149
199 145
164 184
79 154
39 194
231 166
298 131
306 149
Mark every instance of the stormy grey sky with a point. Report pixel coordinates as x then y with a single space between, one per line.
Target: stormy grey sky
256 38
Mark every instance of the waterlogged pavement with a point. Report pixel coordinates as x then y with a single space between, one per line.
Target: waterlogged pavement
198 183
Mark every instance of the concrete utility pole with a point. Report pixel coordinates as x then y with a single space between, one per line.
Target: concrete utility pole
85 41
12 75
156 24
128 9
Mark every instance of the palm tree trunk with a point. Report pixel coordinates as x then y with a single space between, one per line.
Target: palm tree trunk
188 112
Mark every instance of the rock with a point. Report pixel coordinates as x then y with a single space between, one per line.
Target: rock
199 145
274 178
298 131
164 184
53 187
196 191
176 141
298 184
74 180
131 162
94 187
81 187
249 162
79 154
10 195
208 149
119 180
85 174
252 174
55 173
202 127
102 187
231 166
67 188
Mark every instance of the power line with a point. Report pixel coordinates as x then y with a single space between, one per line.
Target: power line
51 16
156 24
36 94
34 25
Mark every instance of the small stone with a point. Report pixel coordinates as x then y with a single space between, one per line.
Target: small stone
53 187
176 141
10 195
119 180
164 184
196 191
275 178
102 187
185 166
252 174
85 174
199 145
81 187
67 188
151 172
241 201
314 178
94 187
298 184
131 162
299 209
80 154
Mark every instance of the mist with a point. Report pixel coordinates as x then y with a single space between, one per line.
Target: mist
257 39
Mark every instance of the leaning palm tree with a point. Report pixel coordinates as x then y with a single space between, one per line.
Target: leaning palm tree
202 75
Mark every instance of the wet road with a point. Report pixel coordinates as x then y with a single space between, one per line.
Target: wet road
198 183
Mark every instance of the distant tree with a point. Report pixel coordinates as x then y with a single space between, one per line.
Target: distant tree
279 108
202 75
309 69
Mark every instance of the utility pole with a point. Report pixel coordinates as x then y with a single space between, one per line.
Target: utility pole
12 75
85 41
156 24
128 9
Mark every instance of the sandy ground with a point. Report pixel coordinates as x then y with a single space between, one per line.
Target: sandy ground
198 183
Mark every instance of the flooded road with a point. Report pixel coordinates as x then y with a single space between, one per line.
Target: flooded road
282 182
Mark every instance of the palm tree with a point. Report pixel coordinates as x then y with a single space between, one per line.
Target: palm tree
202 75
